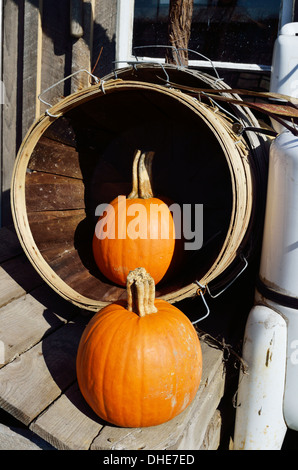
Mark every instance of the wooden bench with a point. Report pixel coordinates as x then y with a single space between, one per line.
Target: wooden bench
39 336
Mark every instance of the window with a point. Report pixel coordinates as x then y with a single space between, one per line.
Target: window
233 34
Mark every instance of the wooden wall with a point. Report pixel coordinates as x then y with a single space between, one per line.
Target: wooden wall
43 42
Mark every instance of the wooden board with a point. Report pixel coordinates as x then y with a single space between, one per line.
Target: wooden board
78 427
37 378
17 276
20 439
55 157
45 191
185 431
39 336
9 244
39 309
11 132
55 228
68 424
31 63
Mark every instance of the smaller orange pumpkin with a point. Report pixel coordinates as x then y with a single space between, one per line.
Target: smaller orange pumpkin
139 364
152 241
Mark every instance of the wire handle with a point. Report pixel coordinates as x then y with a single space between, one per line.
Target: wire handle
213 296
178 55
97 80
204 57
134 63
201 291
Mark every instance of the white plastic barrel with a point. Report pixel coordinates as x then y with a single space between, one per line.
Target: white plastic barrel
267 395
284 74
289 358
279 258
259 421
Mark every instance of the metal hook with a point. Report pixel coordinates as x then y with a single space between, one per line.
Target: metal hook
102 85
135 63
232 281
201 291
218 78
47 112
204 57
97 80
159 46
220 107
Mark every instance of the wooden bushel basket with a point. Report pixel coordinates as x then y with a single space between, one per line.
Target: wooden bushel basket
70 163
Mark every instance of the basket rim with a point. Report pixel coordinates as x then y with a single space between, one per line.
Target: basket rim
236 154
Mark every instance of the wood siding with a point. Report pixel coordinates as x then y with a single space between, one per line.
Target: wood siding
44 41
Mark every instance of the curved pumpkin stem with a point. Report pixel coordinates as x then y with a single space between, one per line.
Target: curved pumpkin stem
140 292
135 184
142 176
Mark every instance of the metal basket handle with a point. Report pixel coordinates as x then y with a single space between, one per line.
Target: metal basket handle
97 80
177 50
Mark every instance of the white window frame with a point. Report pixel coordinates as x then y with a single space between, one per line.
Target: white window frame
124 32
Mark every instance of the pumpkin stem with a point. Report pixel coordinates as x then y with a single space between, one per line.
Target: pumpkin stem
142 176
140 292
135 184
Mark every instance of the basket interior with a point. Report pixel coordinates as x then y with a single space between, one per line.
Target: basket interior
84 158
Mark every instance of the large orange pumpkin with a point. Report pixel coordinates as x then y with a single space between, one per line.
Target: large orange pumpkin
136 230
139 364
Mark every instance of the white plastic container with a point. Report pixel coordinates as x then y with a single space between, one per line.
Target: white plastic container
289 358
279 258
268 393
284 74
284 77
259 421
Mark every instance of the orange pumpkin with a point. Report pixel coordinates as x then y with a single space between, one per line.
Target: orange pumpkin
135 230
139 364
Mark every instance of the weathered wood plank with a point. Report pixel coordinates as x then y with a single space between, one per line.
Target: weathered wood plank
212 437
55 228
21 439
57 50
82 47
26 320
69 423
38 383
50 192
197 426
61 131
76 18
105 18
17 276
84 278
30 63
30 383
10 131
9 243
169 434
55 157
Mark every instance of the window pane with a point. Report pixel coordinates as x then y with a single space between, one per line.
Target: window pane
241 31
150 26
